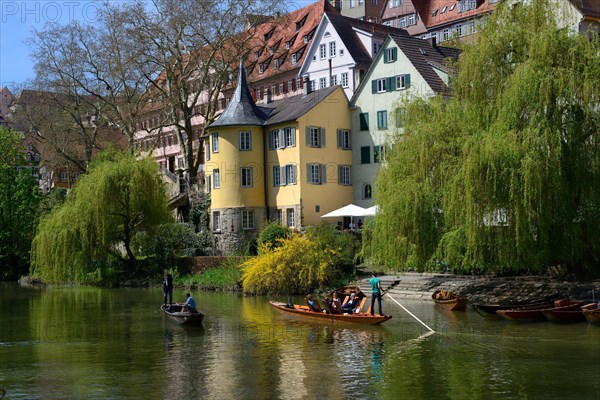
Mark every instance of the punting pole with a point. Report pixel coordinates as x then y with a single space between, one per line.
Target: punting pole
411 314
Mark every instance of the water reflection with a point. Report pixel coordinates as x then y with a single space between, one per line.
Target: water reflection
85 343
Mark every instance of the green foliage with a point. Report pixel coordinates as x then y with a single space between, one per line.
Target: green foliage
298 264
226 277
270 234
167 242
118 197
505 176
19 207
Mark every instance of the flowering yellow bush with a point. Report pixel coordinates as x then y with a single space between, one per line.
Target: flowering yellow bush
295 265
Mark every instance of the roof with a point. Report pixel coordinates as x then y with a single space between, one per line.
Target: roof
346 28
425 56
292 108
241 109
272 39
589 8
441 12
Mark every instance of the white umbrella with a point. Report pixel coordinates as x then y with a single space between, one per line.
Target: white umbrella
371 211
350 210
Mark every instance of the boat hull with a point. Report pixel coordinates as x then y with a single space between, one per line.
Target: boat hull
305 313
564 317
536 313
592 315
449 301
489 310
173 313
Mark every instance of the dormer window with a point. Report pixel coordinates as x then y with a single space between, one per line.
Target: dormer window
327 34
261 69
300 23
444 9
305 39
452 7
294 58
269 34
276 62
467 5
434 13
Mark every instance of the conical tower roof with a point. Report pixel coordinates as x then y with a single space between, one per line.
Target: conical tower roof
242 110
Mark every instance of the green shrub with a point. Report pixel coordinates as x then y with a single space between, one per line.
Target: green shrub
271 233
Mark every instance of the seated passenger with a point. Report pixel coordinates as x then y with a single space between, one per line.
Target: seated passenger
312 304
190 304
350 304
336 304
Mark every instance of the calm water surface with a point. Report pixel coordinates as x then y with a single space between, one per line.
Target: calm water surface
82 343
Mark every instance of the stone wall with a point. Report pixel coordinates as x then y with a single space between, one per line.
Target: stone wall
232 239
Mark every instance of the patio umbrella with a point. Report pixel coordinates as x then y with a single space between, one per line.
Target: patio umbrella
350 210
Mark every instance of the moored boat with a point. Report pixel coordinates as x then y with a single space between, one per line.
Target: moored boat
175 313
591 312
305 312
564 317
449 301
489 310
536 313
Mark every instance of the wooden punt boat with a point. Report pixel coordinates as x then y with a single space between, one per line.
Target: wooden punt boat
591 312
489 310
536 313
306 313
174 313
564 317
449 301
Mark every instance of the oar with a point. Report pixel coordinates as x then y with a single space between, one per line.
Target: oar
411 314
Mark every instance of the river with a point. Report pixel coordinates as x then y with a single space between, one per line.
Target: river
83 343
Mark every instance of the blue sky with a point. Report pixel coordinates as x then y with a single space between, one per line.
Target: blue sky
19 17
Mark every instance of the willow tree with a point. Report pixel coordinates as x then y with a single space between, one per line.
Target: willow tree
505 175
117 198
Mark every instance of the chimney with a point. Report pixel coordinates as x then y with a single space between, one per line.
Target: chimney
306 81
433 41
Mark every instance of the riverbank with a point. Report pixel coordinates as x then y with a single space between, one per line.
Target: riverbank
420 286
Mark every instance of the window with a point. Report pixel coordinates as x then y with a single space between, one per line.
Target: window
317 174
402 81
313 85
276 175
344 79
379 85
411 20
294 58
290 218
382 119
351 3
207 151
216 221
215 142
395 3
290 137
276 140
322 51
322 83
246 177
343 139
247 220
459 30
332 50
367 191
390 55
333 80
261 68
36 157
208 184
30 147
216 179
445 34
466 5
28 156
378 154
443 9
365 155
364 121
280 216
400 115
64 176
290 174
402 22
376 47
344 175
245 140
315 137
281 88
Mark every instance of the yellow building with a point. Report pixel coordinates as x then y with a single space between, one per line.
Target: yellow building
289 160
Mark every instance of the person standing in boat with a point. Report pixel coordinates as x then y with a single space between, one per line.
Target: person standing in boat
167 287
375 293
190 303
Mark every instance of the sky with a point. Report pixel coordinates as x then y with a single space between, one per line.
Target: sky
17 20
19 17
